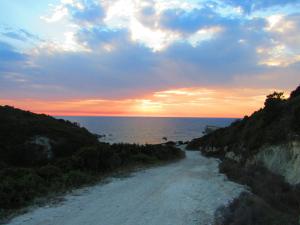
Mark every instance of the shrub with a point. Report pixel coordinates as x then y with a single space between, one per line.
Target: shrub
49 172
296 119
144 158
3 165
76 178
249 209
64 164
87 158
295 93
18 187
170 143
277 198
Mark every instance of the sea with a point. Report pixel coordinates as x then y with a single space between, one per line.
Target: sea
147 130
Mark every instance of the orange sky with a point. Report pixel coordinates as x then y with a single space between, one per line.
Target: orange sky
192 102
177 58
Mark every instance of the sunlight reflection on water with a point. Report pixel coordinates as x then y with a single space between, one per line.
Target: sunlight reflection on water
147 129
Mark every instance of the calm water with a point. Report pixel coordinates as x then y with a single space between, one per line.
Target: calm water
147 130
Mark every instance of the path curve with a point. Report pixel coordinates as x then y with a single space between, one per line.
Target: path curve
183 193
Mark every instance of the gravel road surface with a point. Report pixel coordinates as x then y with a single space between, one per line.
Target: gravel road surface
186 192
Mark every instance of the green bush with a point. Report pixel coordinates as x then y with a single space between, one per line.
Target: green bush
76 178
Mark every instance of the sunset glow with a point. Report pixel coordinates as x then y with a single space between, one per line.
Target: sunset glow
191 58
193 102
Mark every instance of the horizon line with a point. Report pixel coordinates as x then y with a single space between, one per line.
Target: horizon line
137 116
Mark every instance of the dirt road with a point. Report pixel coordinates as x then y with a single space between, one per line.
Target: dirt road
186 192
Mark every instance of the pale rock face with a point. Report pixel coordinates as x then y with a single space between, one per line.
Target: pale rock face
211 149
45 142
226 148
283 160
233 156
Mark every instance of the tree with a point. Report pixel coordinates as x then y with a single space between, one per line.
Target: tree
295 93
274 100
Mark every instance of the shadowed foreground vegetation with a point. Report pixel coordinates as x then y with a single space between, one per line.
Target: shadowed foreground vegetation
41 155
271 201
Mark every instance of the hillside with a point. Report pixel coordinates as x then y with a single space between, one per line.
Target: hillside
278 123
41 155
270 135
28 139
261 151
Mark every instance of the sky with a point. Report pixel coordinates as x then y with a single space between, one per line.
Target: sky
180 58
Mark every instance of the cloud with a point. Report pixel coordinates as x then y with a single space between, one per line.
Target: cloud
154 24
188 21
252 5
125 49
86 11
57 14
14 35
99 36
20 35
77 10
70 43
118 67
12 65
9 54
156 39
283 48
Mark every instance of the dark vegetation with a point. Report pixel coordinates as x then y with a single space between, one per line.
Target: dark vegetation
272 201
30 169
250 209
278 122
